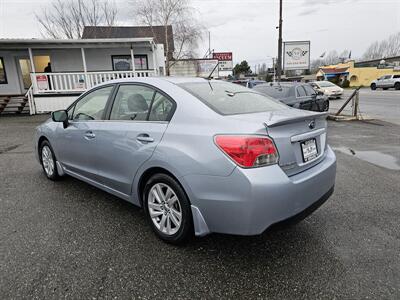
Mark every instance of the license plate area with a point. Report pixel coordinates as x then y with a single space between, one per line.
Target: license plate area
309 150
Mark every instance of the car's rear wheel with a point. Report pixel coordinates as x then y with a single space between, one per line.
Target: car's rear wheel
168 209
397 86
373 86
48 160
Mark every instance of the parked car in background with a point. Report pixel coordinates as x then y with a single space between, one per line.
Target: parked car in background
331 90
249 83
387 82
297 95
198 155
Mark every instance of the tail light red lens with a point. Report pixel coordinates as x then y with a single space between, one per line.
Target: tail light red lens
248 151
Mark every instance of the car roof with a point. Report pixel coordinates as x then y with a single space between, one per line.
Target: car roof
155 80
282 84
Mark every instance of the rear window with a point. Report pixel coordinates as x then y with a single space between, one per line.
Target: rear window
276 92
229 99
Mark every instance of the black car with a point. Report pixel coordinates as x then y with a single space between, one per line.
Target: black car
297 95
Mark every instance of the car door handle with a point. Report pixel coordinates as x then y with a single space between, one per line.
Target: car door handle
89 135
144 138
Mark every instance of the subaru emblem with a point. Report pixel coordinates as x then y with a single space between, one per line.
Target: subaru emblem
312 124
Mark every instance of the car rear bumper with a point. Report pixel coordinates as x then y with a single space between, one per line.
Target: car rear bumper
250 200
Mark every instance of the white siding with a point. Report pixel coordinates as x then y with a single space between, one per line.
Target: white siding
49 103
13 85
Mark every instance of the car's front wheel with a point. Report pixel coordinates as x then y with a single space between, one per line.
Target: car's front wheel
373 86
168 209
48 160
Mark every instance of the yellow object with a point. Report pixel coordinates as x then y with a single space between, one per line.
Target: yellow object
357 75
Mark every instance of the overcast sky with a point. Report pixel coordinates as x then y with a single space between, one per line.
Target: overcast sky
247 27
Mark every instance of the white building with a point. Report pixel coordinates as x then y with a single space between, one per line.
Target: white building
76 65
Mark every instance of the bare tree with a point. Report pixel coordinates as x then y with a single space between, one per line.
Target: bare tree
386 48
67 18
187 31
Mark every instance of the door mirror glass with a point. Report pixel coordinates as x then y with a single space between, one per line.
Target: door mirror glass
59 116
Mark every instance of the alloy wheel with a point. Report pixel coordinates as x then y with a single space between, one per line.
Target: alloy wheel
47 160
165 209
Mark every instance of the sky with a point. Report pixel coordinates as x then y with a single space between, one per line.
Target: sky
247 28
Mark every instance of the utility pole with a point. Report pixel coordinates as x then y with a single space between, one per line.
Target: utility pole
273 66
209 44
279 60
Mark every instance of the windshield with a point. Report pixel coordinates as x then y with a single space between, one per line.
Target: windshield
229 99
325 84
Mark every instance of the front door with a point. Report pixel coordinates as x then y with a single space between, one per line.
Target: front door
138 119
77 144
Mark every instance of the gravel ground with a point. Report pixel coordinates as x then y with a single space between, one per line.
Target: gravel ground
70 240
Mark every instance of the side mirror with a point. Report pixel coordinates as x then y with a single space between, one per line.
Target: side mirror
60 116
320 93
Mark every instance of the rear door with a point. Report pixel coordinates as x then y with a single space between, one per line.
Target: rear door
137 121
304 99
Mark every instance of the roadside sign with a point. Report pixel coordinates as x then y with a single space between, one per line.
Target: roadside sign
42 82
296 55
225 60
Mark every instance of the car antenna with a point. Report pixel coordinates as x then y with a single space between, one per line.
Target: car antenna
209 76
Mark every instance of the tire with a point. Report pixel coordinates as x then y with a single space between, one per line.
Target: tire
397 86
373 86
48 161
326 108
165 215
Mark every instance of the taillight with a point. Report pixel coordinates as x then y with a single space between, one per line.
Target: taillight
248 151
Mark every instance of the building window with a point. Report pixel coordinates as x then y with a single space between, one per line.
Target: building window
3 76
141 62
124 62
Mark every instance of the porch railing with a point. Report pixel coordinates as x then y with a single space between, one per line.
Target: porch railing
44 83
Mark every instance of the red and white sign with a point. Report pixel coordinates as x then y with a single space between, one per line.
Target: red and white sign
225 60
42 82
224 56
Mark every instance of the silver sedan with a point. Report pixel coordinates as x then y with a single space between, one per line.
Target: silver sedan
200 156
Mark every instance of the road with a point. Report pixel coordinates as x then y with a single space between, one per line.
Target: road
67 239
379 104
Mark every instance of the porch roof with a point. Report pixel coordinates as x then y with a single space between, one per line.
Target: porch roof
73 43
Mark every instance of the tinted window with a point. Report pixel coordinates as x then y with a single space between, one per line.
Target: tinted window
300 92
276 92
92 105
161 108
132 102
309 90
227 98
388 77
396 76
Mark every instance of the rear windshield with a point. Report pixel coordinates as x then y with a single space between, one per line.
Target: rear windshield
277 92
228 99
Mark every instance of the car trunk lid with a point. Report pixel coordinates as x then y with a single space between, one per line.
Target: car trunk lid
290 128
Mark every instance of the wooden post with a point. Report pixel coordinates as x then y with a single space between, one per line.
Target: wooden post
155 67
133 60
33 72
85 67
